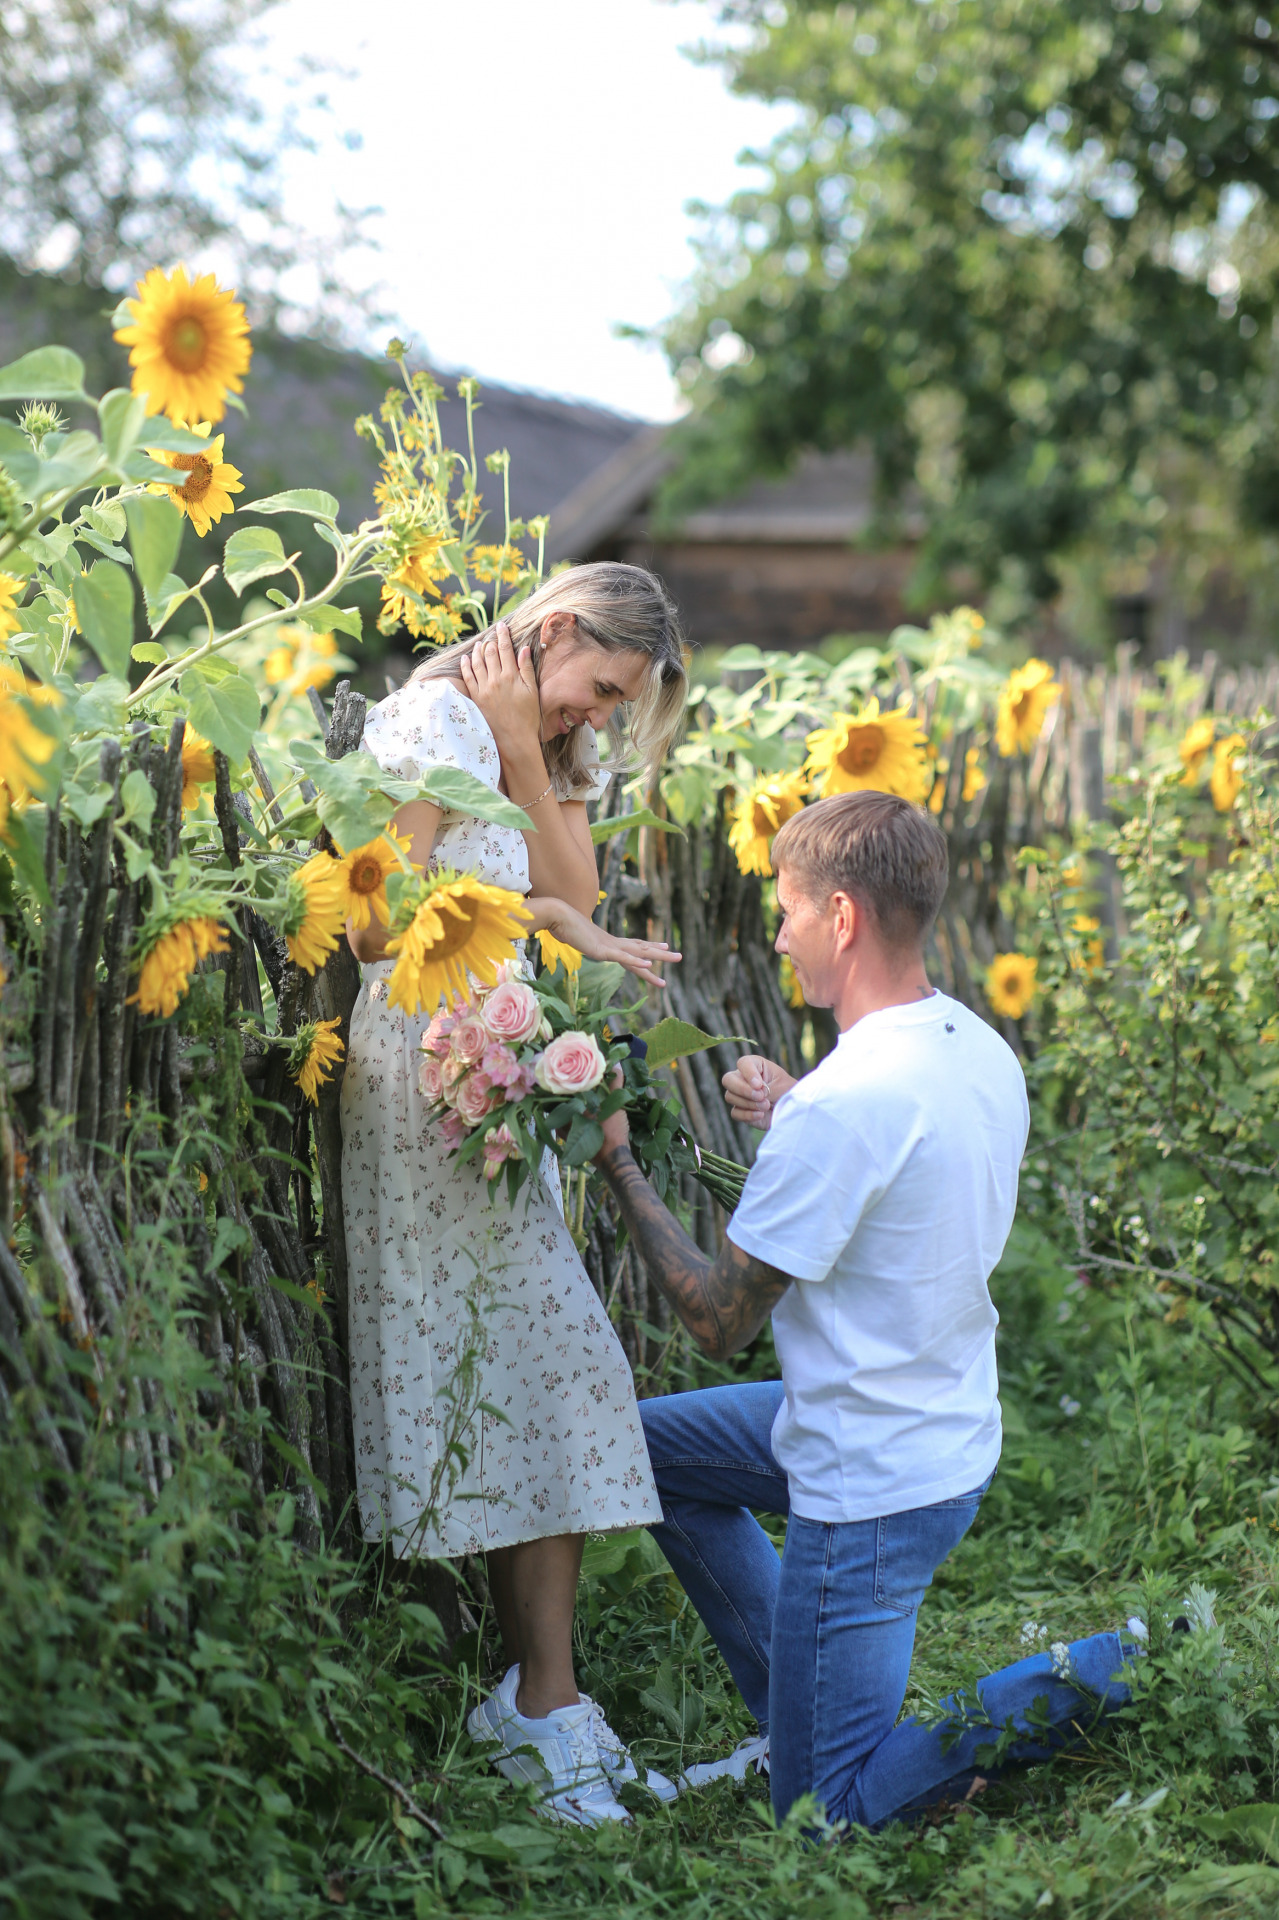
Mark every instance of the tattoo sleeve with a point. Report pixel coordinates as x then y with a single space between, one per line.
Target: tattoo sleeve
722 1302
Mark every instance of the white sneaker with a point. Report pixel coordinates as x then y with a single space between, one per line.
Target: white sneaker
747 1753
616 1759
558 1755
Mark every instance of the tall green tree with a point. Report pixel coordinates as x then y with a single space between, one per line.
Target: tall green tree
130 134
1025 249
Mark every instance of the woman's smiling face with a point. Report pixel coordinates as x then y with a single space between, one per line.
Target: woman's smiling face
581 683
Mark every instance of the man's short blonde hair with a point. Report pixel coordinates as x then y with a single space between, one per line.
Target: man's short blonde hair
886 854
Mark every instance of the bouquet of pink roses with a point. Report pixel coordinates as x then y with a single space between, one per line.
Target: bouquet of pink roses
528 1065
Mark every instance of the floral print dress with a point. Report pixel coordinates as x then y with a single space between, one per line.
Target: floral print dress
444 1271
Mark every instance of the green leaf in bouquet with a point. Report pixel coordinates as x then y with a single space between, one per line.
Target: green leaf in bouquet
585 1138
104 607
121 416
155 534
312 500
224 705
46 373
673 1039
597 982
627 822
253 553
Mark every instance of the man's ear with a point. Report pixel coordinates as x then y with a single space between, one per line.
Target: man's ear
849 919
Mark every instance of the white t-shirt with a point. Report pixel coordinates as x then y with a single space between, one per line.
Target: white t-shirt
886 1187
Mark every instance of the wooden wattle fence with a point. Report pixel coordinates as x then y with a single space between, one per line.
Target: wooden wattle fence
95 1101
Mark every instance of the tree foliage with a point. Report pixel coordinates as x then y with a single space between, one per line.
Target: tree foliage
128 134
1025 250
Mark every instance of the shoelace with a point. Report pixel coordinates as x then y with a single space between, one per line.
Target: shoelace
608 1745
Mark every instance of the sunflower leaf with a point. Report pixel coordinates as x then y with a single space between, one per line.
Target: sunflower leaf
104 606
48 373
673 1039
252 554
224 705
332 620
625 822
161 432
296 500
155 534
122 416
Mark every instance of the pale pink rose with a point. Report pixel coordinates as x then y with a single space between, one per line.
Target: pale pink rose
452 1073
508 970
499 1146
475 1098
571 1064
452 1131
511 1012
436 1037
468 1040
430 1078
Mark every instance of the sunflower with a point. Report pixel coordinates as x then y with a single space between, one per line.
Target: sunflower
765 806
313 1054
189 343
197 765
25 749
459 925
493 563
364 877
558 951
415 575
317 649
316 911
170 961
974 778
1024 700
10 618
1088 930
205 494
884 752
1010 984
1196 744
937 797
790 983
1226 778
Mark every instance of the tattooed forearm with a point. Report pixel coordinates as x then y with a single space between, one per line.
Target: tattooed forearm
722 1302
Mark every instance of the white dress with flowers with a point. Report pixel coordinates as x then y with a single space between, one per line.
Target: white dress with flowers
429 1243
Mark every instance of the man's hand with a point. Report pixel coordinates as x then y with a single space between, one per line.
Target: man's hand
753 1088
724 1302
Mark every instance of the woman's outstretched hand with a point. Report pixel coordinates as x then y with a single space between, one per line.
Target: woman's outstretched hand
503 685
565 923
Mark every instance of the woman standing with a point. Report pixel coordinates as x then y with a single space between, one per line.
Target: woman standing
519 709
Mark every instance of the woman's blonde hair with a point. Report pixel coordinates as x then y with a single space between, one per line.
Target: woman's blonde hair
622 609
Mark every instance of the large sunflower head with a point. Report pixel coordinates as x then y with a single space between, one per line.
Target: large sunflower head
189 345
1010 984
459 925
25 748
1227 775
765 806
364 875
881 752
170 959
315 914
416 574
197 765
205 495
313 1054
1024 700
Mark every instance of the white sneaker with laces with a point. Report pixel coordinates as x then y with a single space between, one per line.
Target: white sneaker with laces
557 1754
747 1753
616 1758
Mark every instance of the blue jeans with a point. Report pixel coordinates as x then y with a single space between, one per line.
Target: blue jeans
828 1689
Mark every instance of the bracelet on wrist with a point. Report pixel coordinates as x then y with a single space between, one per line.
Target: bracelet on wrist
524 805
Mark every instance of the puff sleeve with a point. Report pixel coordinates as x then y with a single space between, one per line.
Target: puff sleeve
431 723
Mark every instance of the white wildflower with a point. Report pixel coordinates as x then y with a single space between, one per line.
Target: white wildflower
1068 1406
1059 1654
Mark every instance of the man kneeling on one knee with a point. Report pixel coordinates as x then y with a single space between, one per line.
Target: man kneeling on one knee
879 1204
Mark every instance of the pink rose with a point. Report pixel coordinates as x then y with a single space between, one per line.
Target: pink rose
430 1078
468 1040
436 1037
475 1098
499 1146
452 1131
571 1064
511 1012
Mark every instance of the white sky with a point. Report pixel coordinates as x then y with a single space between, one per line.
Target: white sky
533 158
